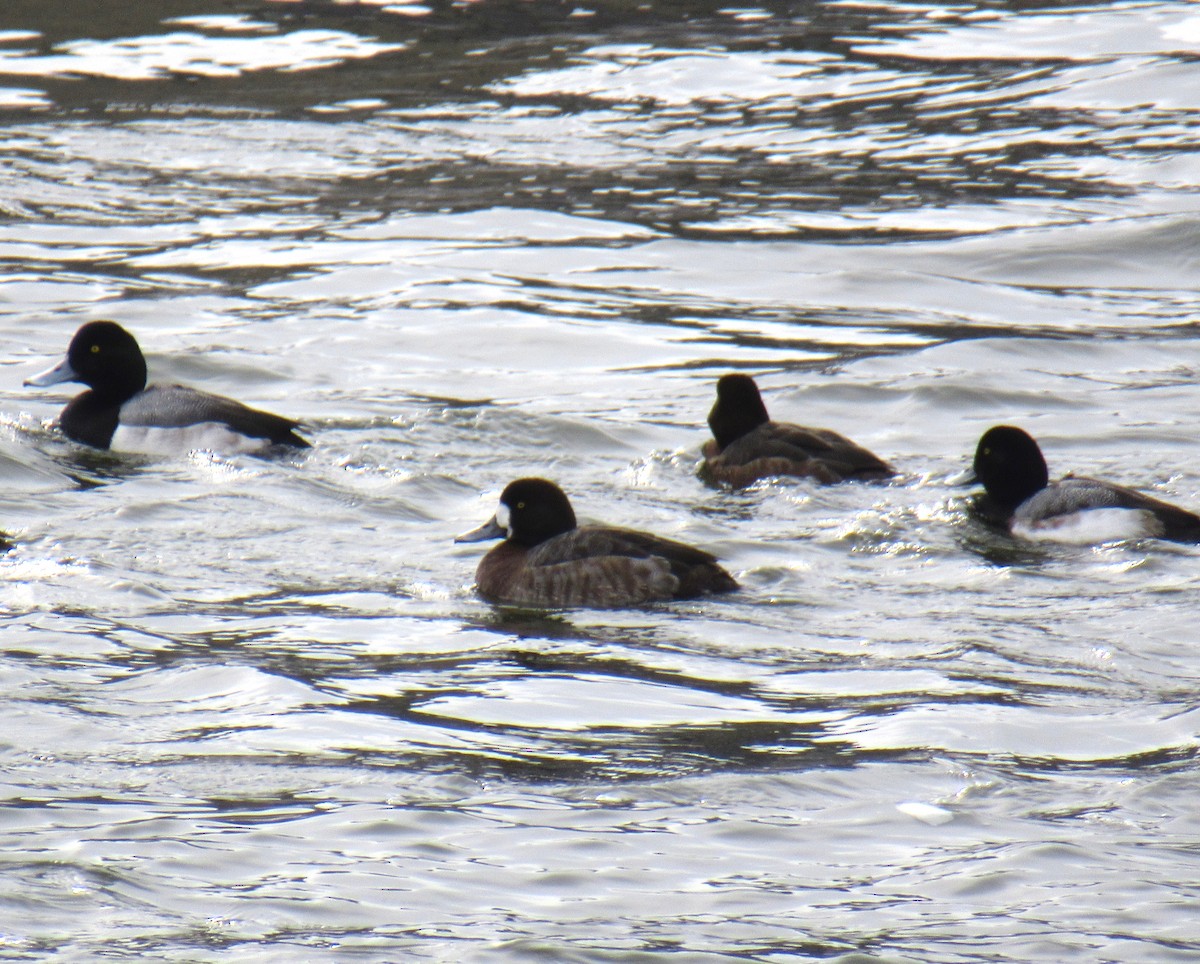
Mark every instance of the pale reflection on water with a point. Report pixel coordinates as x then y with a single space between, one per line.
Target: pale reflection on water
252 707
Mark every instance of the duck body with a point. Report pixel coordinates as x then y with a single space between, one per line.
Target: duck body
120 412
747 445
1021 498
164 419
547 561
780 448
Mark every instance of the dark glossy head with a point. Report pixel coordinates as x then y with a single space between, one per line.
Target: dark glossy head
103 356
531 511
1010 465
739 409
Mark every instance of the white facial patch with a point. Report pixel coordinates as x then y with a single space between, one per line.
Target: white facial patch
504 519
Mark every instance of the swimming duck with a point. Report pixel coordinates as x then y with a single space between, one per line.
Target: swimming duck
546 560
120 412
747 446
1021 497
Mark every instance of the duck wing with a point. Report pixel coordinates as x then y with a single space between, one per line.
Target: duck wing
781 448
611 566
1080 494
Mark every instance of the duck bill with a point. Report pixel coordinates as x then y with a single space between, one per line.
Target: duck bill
62 372
966 477
489 530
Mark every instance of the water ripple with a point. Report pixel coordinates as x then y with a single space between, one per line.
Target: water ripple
253 706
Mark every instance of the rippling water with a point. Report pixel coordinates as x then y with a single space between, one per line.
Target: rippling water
253 711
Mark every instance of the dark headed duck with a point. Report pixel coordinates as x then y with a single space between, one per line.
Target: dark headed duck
747 446
1021 498
547 561
119 412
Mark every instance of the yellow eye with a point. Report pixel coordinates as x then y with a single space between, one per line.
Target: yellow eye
95 349
520 505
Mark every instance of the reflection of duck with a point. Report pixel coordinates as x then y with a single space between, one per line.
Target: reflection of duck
120 412
548 561
1021 497
747 445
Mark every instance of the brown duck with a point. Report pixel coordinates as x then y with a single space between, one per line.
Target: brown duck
547 561
747 446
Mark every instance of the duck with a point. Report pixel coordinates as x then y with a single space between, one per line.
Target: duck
548 561
1020 497
121 413
747 446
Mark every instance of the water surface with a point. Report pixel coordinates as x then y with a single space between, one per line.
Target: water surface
252 708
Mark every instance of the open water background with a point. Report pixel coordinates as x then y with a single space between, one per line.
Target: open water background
250 709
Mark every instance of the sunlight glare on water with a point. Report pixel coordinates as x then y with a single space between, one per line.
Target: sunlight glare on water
253 707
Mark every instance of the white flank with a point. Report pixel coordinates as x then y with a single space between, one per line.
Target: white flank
208 436
926 813
1091 526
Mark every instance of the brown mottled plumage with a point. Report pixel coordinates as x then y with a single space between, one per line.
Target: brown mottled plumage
548 561
747 446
